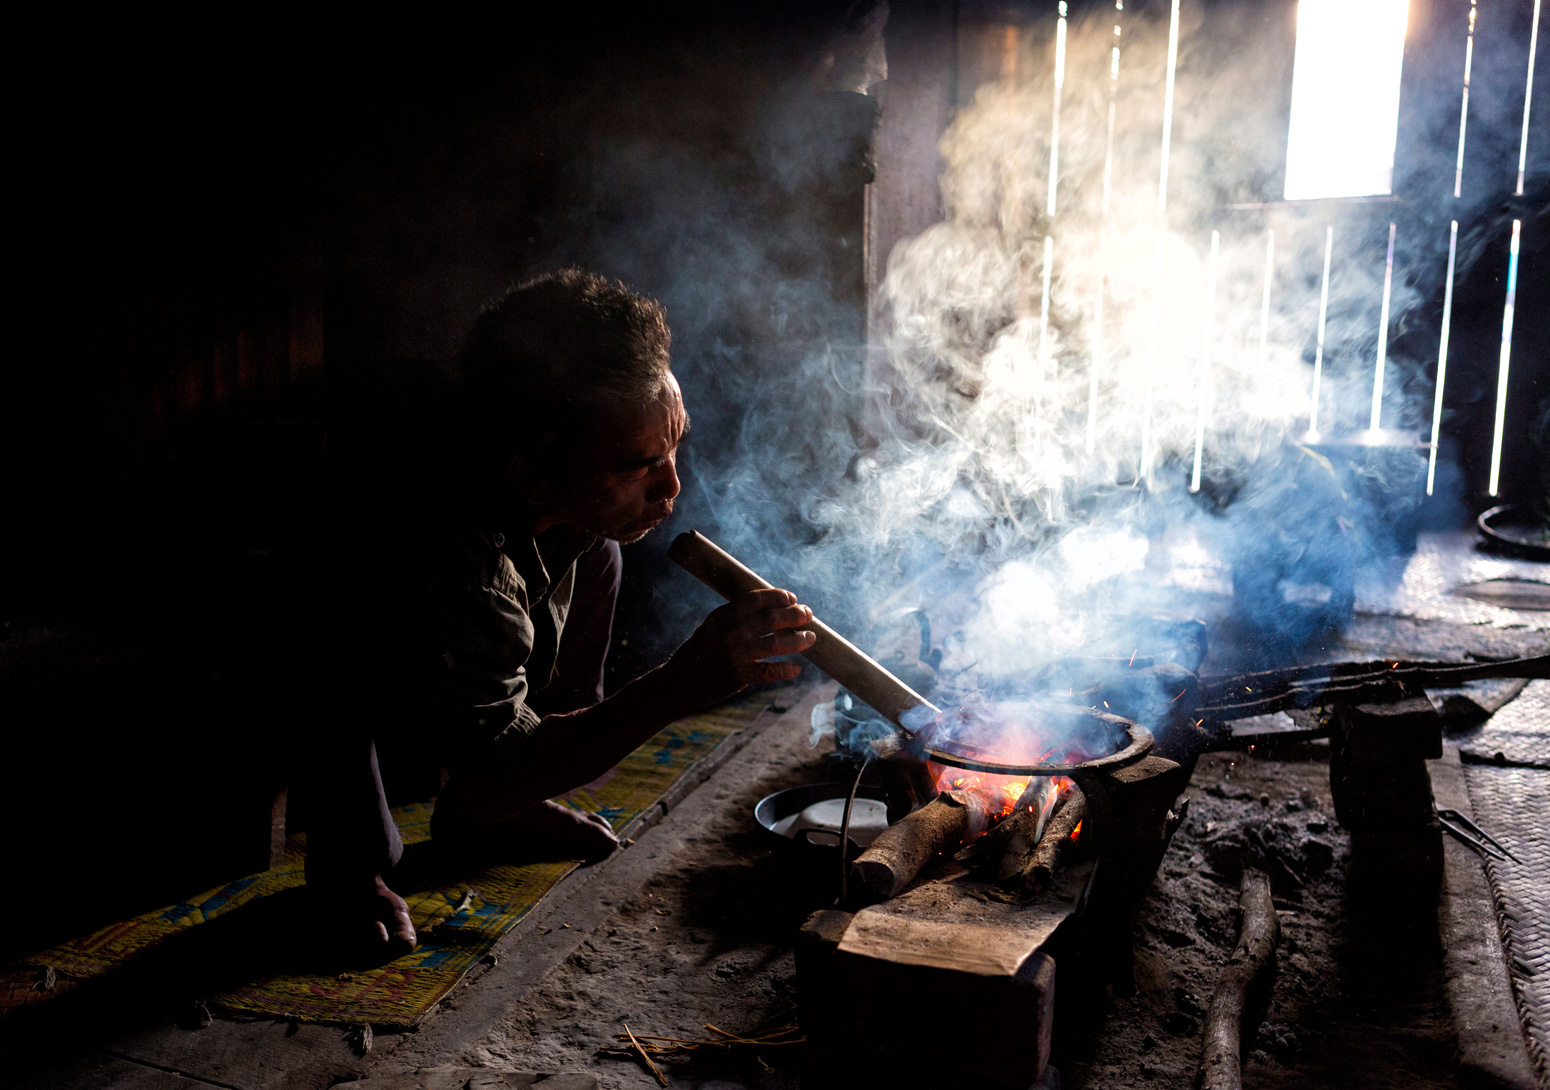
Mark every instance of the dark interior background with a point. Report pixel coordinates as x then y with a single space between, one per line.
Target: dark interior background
240 243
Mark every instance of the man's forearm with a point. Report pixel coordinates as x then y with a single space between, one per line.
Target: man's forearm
573 748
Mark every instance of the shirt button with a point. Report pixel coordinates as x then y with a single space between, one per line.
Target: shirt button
500 541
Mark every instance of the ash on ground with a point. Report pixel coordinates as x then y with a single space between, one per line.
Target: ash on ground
1358 999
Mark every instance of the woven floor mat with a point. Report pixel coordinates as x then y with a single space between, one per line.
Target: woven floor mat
458 919
1519 734
1513 805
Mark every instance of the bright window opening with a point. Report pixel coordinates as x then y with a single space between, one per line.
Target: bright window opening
1345 98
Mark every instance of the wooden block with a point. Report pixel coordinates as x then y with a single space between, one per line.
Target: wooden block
1385 734
950 953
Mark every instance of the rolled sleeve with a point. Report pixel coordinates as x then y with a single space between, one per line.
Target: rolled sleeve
481 638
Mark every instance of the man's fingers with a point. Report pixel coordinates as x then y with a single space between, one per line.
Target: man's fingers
776 671
772 620
786 642
755 601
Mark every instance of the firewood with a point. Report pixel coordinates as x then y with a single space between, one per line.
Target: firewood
1032 873
903 849
1243 985
1012 838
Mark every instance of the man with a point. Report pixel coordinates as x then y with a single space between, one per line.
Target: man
500 597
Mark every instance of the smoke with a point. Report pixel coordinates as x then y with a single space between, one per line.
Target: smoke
986 461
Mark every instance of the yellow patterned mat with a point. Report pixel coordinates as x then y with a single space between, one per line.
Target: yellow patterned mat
458 923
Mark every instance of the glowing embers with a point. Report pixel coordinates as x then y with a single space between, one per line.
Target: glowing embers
1012 733
999 797
1345 98
1506 358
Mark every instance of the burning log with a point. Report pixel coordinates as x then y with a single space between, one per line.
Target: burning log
1035 871
1242 986
902 851
1023 859
1005 846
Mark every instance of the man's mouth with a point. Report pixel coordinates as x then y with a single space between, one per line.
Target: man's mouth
641 526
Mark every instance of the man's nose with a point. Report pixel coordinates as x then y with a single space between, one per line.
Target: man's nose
666 486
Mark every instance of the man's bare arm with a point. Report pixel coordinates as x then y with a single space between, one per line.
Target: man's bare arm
725 654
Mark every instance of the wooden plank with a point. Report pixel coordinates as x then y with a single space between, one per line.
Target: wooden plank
962 925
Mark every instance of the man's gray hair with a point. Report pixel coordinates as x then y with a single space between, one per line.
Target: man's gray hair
542 359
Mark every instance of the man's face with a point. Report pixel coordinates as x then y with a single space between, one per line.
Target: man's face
624 476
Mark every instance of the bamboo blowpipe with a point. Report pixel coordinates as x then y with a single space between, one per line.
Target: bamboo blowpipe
833 654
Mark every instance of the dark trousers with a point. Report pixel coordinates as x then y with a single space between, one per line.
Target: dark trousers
352 834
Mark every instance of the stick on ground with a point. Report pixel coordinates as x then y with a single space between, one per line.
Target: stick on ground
1244 983
650 1063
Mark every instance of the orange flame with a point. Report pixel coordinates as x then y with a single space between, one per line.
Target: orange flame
997 796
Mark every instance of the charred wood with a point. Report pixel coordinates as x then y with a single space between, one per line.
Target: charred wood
1035 875
1243 986
1026 866
904 849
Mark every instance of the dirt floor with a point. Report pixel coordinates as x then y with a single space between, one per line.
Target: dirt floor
1358 1001
1359 997
708 939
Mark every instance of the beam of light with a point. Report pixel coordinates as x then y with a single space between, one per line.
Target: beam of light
1340 142
1469 56
1092 373
1054 127
1108 180
1506 359
1528 94
1383 336
1318 352
1108 143
1162 207
1442 358
1264 305
1049 260
1167 133
1151 362
1205 363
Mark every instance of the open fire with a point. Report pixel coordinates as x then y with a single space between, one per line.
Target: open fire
999 797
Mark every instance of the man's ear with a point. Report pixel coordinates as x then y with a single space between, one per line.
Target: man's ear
531 483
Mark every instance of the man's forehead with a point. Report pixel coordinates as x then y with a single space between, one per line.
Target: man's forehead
643 430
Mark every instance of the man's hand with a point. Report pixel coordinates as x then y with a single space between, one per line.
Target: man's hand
728 651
